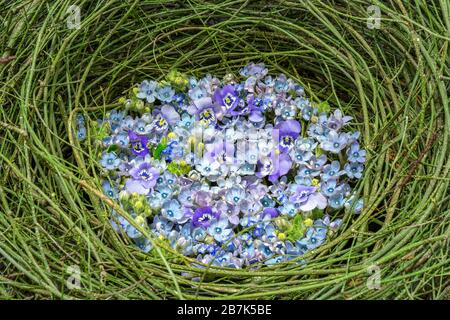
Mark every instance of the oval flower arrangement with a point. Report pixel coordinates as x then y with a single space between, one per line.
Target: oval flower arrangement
232 172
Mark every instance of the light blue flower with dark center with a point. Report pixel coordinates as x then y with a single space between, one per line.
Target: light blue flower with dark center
318 132
219 229
332 171
257 70
355 154
81 133
147 90
166 94
281 84
165 191
328 187
354 169
299 156
307 172
337 200
162 226
301 103
289 209
186 197
122 140
235 195
305 144
144 244
267 202
187 121
288 112
173 211
199 234
141 127
308 112
110 161
335 142
314 237
109 190
336 120
116 117
197 93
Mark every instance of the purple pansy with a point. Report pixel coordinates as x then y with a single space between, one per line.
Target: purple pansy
143 178
203 217
138 144
307 198
288 131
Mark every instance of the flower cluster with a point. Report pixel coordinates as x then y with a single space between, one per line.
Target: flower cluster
232 172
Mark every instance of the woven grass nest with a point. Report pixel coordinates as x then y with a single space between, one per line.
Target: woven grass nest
394 81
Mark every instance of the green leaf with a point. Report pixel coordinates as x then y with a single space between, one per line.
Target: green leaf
158 150
112 148
317 214
297 229
324 107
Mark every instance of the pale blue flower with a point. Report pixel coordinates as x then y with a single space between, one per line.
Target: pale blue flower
110 161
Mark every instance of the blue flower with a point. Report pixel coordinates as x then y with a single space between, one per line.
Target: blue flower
281 84
354 169
110 161
81 133
355 154
173 211
331 171
116 117
328 187
314 237
335 142
186 121
337 200
235 195
144 244
109 190
219 230
147 91
166 94
122 140
289 209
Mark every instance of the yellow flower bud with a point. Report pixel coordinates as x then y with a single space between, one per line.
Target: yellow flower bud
140 220
308 222
171 135
277 151
281 236
148 211
135 90
315 182
138 205
122 100
161 237
314 119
